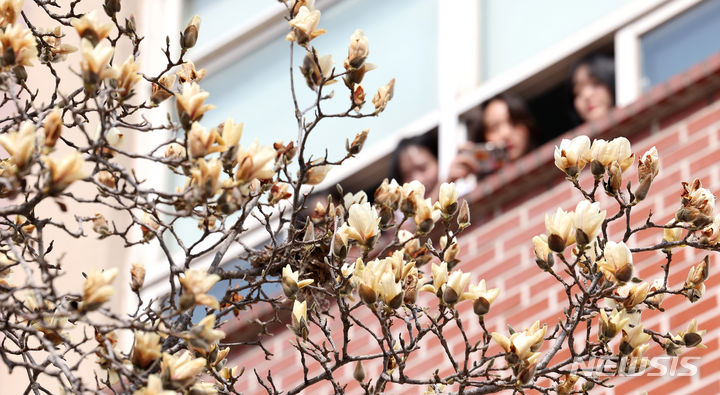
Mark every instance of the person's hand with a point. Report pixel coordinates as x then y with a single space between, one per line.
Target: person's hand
463 165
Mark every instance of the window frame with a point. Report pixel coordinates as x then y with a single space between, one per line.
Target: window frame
628 53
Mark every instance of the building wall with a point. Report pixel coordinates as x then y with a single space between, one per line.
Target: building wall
499 250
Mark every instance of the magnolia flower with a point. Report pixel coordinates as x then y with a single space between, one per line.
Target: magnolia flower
572 155
367 279
448 196
256 162
425 215
318 72
698 204
316 172
440 277
299 323
203 337
455 287
672 235
9 11
633 338
588 219
543 255
100 225
521 343
146 349
481 296
618 262
383 96
127 76
358 50
694 287
66 172
390 290
175 152
230 133
18 46
206 175
181 369
634 293
567 386
188 38
635 362
97 289
691 336
611 326
389 194
187 73
53 125
190 103
363 223
648 168
656 286
711 234
21 144
94 63
291 281
560 230
200 141
154 387
197 283
88 27
305 26
54 50
137 276
451 252
158 94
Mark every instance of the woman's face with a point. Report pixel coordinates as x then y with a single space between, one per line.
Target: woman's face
500 130
418 163
593 99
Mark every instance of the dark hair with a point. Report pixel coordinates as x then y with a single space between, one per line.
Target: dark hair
519 115
601 67
427 140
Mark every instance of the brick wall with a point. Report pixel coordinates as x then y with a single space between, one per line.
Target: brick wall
498 248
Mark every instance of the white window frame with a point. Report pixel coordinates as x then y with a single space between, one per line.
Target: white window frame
628 55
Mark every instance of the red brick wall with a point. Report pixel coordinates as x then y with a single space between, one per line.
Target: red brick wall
499 250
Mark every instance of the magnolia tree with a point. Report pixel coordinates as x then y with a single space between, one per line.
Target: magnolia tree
391 262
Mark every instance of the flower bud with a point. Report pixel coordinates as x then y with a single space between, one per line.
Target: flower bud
189 37
100 225
615 179
356 146
359 372
448 203
137 276
53 127
316 173
112 7
463 218
383 96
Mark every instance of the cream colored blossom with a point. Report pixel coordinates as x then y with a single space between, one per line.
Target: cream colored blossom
158 94
154 387
363 223
175 151
632 338
440 277
203 337
127 76
447 201
692 337
481 296
198 283
572 155
201 141
21 144
187 73
317 70
358 50
390 290
88 27
543 254
146 349
18 46
231 133
95 60
137 276
455 287
206 175
9 11
317 172
54 50
304 26
255 162
182 369
612 325
191 103
299 322
65 172
291 281
97 289
588 219
52 126
648 166
560 229
383 96
618 262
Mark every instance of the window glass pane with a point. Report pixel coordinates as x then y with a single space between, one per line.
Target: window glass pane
219 17
513 31
680 43
403 44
